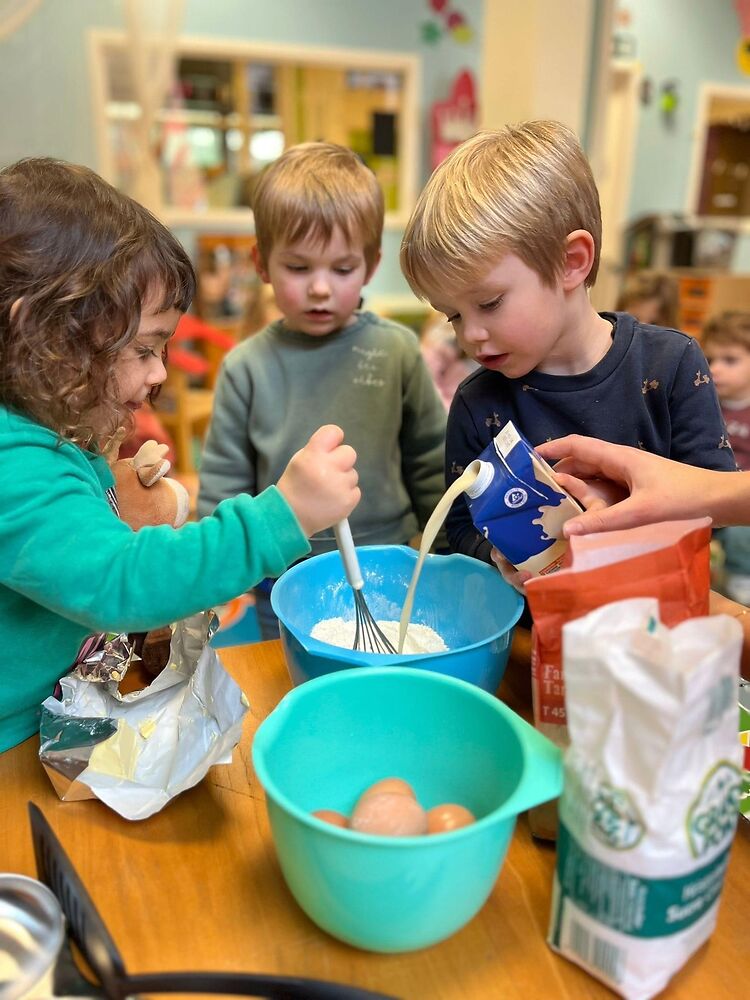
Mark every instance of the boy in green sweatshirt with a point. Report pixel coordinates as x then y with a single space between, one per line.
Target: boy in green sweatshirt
318 221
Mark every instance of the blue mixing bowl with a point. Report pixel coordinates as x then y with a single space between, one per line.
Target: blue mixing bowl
329 740
465 601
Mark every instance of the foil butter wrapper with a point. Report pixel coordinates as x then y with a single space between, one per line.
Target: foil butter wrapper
104 657
136 752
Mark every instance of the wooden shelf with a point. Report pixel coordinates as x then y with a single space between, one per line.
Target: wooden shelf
704 294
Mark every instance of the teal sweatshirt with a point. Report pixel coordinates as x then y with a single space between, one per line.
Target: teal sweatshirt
277 387
69 567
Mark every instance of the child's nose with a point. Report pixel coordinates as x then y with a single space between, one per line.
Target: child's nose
473 331
158 373
319 285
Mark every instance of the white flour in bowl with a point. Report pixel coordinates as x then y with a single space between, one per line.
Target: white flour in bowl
419 638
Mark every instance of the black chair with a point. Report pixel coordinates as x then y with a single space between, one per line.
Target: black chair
89 932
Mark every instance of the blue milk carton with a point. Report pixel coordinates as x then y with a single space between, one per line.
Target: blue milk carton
516 504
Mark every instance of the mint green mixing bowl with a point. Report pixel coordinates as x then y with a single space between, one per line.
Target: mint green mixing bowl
331 738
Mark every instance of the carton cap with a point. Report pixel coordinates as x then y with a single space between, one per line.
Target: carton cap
485 473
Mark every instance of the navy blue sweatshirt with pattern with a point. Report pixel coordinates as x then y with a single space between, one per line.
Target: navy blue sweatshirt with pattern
652 390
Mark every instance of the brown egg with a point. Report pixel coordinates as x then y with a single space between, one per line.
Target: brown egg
448 816
332 817
397 786
389 814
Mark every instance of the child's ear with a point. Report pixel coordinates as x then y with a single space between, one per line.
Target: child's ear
259 265
373 267
579 259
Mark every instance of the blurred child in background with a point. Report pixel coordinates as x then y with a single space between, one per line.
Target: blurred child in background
651 297
446 361
726 341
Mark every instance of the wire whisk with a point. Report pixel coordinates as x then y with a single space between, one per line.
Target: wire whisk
368 636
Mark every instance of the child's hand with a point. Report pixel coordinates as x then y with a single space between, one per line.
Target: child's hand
515 577
320 482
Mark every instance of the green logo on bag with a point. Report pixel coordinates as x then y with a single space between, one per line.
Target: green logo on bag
712 816
615 819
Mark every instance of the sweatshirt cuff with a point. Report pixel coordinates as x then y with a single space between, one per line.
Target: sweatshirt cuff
282 527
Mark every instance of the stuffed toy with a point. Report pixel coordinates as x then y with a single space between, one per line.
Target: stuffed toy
145 494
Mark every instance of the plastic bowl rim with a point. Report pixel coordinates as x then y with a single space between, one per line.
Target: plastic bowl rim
312 645
389 843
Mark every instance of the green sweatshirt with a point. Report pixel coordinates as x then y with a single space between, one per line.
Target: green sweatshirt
277 387
69 567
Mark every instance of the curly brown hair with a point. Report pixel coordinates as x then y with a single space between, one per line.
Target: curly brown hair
79 260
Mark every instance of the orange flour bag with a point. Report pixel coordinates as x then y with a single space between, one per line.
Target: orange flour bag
668 561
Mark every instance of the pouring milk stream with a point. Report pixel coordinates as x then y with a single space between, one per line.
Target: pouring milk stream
514 502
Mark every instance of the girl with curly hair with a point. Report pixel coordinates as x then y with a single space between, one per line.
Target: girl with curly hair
92 286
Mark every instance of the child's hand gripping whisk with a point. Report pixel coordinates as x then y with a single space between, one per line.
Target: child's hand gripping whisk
320 481
368 636
320 484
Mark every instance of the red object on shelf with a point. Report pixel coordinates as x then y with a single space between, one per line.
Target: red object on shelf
743 13
191 328
454 119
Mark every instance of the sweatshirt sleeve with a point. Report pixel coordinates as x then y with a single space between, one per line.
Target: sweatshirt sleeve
422 440
228 462
63 548
699 434
463 445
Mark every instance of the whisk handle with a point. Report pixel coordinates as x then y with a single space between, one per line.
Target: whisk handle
345 542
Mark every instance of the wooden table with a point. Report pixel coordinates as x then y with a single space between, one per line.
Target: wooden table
198 887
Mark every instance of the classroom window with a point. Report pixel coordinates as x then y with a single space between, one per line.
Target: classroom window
233 108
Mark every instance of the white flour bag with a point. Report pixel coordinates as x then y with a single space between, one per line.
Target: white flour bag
652 785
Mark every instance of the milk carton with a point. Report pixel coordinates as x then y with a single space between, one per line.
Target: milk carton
515 502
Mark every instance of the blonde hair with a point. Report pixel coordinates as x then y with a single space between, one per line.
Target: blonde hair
645 285
728 328
310 190
522 189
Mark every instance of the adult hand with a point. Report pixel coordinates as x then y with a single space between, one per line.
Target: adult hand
320 481
592 496
655 488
